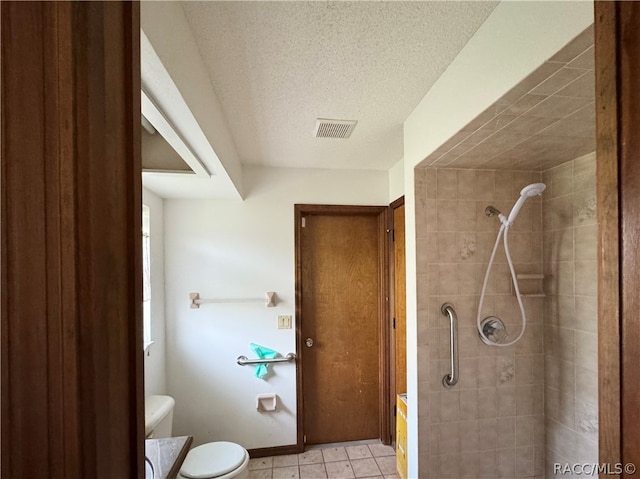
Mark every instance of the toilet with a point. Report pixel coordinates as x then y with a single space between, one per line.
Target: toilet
214 460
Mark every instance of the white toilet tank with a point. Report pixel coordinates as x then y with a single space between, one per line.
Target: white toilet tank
158 416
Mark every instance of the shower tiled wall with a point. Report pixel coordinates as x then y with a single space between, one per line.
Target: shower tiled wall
571 353
491 424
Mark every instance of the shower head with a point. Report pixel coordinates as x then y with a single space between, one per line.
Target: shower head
534 189
528 191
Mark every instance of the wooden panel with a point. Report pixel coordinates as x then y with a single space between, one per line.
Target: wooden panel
340 300
618 143
629 150
72 399
608 235
400 303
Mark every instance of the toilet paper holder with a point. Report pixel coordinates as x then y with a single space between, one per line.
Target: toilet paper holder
266 402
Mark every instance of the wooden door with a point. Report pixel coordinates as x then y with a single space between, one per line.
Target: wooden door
341 284
400 302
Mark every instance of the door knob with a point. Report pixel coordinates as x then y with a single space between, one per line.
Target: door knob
308 342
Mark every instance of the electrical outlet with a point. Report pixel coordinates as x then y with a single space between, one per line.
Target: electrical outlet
284 321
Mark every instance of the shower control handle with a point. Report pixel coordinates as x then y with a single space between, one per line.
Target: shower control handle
308 342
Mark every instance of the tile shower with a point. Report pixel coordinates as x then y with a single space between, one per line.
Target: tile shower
492 423
514 407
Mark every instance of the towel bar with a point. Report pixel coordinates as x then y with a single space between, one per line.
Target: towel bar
269 300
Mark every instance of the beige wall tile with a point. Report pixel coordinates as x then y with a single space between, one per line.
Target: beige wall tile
427 251
587 350
525 426
506 432
566 312
503 185
525 460
506 402
563 244
487 434
449 466
506 462
586 383
469 433
468 378
431 182
447 248
449 436
566 278
562 214
466 216
447 181
487 398
447 214
487 464
450 406
584 173
466 183
586 278
557 107
485 184
586 421
586 243
584 208
469 406
469 465
557 81
587 314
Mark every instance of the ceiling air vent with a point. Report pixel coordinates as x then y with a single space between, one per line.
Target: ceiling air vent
333 128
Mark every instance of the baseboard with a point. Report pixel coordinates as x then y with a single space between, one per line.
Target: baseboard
275 451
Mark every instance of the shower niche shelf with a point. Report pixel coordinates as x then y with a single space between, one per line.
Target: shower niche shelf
531 285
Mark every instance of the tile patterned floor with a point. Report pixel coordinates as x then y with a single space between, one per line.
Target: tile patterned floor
375 461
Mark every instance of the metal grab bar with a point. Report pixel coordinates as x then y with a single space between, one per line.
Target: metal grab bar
245 361
450 380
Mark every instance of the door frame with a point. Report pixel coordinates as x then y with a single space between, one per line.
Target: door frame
381 213
617 65
391 398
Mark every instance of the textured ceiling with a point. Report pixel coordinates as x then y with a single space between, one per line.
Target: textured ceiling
544 121
277 66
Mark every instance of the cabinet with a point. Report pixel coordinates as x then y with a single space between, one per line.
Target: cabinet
401 436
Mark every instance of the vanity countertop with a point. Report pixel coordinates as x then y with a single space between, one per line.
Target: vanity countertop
167 455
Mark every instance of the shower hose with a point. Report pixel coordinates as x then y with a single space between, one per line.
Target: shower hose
503 232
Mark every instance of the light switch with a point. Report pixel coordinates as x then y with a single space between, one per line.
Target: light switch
284 321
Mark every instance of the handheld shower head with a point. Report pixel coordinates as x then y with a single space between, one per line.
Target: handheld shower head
528 191
534 189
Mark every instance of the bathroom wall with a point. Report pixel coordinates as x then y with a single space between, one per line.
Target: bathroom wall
570 324
233 249
154 359
396 181
491 424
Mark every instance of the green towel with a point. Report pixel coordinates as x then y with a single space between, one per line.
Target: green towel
262 353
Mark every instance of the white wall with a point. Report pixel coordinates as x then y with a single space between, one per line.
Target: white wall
232 249
396 181
515 39
154 360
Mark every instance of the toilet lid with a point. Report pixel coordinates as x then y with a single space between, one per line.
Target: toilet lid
212 460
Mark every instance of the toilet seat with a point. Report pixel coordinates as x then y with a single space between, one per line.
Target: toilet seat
214 460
